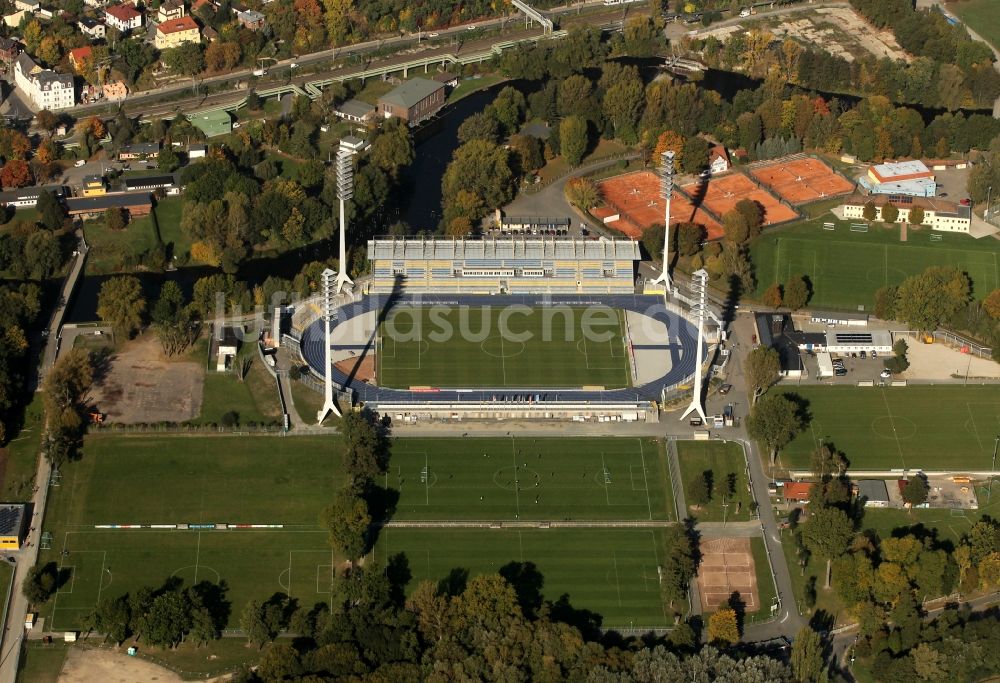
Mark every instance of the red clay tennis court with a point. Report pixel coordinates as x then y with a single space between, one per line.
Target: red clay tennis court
723 192
636 198
803 180
727 567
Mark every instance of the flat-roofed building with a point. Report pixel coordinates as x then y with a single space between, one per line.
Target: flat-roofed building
855 341
212 123
355 111
136 203
503 265
873 492
11 525
939 214
27 197
911 178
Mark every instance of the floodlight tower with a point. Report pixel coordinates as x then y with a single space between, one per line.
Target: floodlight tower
345 190
666 191
329 282
699 288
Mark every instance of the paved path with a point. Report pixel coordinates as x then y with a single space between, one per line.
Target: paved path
531 524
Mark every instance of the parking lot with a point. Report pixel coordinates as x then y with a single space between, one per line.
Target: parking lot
858 369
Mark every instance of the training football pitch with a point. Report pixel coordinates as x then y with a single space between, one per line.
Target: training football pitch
917 427
285 483
846 268
530 479
503 346
612 572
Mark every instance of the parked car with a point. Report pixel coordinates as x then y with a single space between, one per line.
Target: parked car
885 374
864 355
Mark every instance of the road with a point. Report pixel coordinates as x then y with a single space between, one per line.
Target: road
358 49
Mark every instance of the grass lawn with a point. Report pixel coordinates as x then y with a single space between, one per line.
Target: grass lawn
722 459
168 222
612 572
846 268
20 455
255 398
192 480
943 427
981 17
41 663
537 479
422 347
467 86
109 249
813 574
766 591
308 402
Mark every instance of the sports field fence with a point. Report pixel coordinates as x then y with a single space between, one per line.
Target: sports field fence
953 339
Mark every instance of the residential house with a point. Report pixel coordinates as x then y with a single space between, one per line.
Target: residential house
96 4
45 88
170 9
78 58
13 20
93 186
138 150
718 160
29 6
177 32
413 101
116 91
796 492
123 17
210 34
92 28
939 214
9 50
355 111
251 19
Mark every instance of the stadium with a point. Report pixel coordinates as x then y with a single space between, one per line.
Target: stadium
503 328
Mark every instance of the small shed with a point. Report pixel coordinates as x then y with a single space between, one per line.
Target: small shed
229 346
874 493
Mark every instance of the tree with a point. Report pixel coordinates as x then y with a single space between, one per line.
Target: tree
46 120
723 627
885 302
916 216
753 214
347 521
528 150
459 226
699 490
870 211
695 156
167 621
167 159
582 193
480 126
51 213
763 367
16 173
796 292
774 421
367 446
480 171
992 304
121 304
772 296
889 213
111 617
573 139
735 225
689 238
115 218
40 582
926 300
916 490
253 624
808 663
185 59
622 106
826 534
669 141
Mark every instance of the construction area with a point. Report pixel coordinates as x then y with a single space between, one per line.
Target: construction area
801 180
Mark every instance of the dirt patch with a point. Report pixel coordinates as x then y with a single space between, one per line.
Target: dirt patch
635 197
727 567
138 384
110 666
942 362
360 367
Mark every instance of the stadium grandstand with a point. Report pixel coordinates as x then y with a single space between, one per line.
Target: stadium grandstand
510 265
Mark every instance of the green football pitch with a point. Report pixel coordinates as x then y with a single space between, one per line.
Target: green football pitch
506 479
927 427
499 347
147 480
846 268
609 571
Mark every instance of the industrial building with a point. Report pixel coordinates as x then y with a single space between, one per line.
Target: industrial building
413 101
911 178
503 265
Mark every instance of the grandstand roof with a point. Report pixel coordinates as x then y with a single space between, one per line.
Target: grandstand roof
445 248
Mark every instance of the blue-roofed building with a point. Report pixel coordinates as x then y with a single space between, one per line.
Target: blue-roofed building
911 178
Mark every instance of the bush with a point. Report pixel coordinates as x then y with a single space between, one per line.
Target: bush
230 419
294 372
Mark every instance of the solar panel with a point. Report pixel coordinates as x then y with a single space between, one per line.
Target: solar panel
854 337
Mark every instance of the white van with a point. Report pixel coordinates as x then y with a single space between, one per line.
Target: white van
745 12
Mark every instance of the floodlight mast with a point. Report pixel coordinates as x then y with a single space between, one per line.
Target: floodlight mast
345 190
699 289
666 172
329 281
